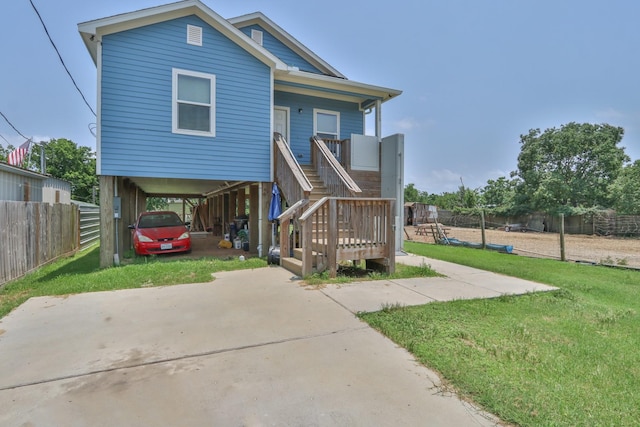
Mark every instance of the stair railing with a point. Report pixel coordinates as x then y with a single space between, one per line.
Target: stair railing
290 228
294 184
338 182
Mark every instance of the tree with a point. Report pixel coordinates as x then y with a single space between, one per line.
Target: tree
411 193
626 190
157 203
571 166
4 152
500 192
67 161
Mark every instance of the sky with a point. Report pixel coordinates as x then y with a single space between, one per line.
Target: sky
475 75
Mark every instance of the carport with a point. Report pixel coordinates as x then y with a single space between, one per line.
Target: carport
123 198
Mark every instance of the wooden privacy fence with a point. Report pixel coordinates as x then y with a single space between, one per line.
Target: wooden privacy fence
32 234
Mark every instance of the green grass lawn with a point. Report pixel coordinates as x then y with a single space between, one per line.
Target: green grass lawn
568 357
81 273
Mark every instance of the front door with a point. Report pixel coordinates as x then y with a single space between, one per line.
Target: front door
281 121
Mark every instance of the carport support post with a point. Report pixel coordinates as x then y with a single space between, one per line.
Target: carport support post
265 232
107 232
233 202
254 217
242 204
225 213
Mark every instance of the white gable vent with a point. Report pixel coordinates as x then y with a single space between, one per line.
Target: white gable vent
194 35
256 35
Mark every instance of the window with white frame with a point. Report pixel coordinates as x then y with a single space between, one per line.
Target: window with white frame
193 103
326 124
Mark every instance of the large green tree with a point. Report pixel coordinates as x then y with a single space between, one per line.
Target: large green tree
4 152
625 190
73 163
571 166
499 192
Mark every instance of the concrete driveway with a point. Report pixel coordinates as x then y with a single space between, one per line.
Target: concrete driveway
250 348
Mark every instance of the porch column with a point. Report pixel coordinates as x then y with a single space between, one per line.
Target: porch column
379 119
107 232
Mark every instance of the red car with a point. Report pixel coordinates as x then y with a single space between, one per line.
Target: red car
160 232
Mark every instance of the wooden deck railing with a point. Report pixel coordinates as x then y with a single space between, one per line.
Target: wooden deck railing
339 229
341 150
293 183
338 182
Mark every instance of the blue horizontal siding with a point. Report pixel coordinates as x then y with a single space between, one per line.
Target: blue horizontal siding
280 50
301 124
136 137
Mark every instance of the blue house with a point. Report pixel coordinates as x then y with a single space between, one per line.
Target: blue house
194 105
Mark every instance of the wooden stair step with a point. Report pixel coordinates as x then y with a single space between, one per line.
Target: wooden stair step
292 264
297 254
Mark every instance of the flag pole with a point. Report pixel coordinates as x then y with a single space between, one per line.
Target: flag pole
29 150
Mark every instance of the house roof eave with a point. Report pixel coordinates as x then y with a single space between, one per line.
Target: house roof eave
91 31
286 38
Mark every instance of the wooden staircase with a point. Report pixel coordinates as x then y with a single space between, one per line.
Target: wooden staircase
328 223
294 263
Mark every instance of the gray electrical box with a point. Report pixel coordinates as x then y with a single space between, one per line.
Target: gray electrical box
117 208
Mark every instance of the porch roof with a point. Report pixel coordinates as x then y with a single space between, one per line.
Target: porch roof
326 86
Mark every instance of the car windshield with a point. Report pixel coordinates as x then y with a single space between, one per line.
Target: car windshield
159 220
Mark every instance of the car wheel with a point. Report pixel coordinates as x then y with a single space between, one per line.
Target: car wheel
507 229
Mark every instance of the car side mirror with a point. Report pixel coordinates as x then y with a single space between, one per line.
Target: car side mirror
131 227
187 223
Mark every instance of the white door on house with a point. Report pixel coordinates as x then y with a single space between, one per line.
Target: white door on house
281 121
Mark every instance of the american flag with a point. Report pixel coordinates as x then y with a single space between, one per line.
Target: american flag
16 157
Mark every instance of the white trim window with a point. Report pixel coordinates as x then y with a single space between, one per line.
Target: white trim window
326 124
193 103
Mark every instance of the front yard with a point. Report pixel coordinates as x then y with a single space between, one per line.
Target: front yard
568 357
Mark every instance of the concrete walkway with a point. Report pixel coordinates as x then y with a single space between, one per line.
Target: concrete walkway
461 282
250 348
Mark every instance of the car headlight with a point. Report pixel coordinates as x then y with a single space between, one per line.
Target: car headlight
143 238
184 235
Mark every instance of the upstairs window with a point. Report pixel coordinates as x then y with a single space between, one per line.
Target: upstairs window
193 103
326 124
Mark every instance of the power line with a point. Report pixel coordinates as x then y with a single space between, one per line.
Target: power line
60 57
1 136
11 124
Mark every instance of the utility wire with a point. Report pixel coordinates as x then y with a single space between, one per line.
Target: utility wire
60 57
11 124
1 136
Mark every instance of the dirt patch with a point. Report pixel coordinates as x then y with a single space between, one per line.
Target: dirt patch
606 250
